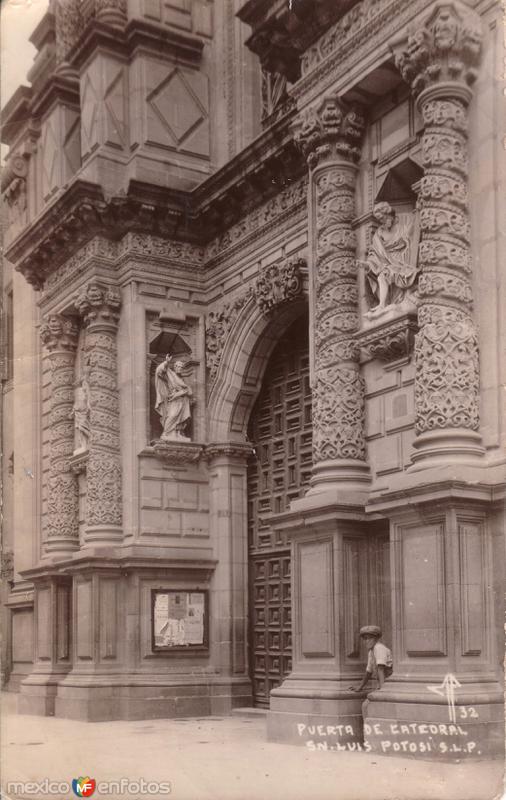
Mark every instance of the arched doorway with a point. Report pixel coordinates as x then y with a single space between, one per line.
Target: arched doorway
278 472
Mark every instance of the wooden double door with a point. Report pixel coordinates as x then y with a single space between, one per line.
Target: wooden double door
278 472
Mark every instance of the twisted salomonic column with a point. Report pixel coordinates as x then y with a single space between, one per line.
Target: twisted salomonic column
60 335
330 136
100 306
439 61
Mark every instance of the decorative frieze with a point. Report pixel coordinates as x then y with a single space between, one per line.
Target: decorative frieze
279 283
439 60
60 334
99 306
329 135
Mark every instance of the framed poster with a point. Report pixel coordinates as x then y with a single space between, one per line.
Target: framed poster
179 620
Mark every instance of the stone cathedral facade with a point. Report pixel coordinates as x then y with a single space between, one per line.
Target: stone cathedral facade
299 203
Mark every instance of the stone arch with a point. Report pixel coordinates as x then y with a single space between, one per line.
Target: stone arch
246 353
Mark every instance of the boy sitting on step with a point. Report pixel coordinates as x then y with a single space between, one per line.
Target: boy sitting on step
379 658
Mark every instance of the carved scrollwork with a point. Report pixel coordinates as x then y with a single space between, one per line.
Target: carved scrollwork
279 283
337 416
390 340
103 489
448 369
218 325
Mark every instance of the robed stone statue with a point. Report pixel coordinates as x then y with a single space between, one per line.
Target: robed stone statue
391 265
172 400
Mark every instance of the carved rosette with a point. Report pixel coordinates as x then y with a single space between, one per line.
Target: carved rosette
330 136
439 60
60 334
99 306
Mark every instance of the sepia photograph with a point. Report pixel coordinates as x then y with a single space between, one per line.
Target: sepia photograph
252 399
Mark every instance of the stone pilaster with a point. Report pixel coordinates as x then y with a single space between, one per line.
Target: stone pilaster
100 305
59 334
330 135
439 61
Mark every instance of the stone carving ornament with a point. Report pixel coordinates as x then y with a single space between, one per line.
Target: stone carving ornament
172 400
279 283
218 325
439 60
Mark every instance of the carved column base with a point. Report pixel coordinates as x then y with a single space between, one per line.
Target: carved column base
348 474
446 447
102 534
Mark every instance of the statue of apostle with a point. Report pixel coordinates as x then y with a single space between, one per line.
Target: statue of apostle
172 400
391 266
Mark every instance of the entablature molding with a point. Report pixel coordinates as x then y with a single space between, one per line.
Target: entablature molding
256 176
138 34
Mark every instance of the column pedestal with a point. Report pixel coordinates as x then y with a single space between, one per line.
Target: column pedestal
52 611
334 555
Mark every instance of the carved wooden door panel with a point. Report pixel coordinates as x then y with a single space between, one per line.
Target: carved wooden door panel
278 472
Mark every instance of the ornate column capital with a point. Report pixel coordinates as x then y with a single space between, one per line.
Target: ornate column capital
59 332
112 12
99 303
444 48
332 129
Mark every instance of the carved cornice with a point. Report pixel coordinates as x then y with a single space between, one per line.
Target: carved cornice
282 31
389 340
256 176
59 332
137 33
444 47
331 128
